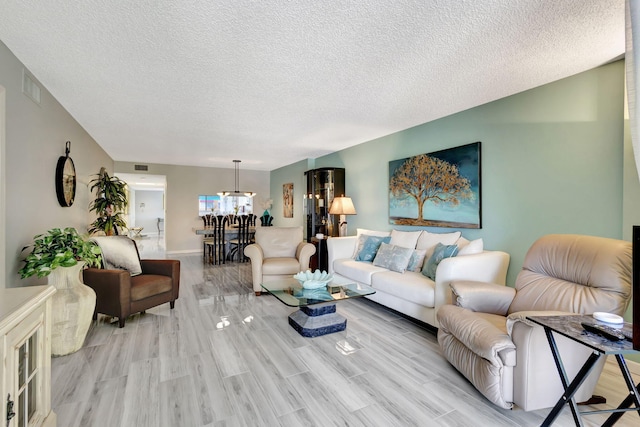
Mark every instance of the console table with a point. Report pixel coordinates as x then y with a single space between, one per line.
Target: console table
570 326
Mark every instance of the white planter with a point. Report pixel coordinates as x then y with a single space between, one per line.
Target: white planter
72 309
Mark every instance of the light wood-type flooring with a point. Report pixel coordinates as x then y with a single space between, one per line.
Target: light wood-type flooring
224 357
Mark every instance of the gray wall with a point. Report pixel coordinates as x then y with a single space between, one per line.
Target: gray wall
184 185
552 162
35 138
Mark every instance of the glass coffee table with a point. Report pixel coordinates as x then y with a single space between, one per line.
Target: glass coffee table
317 315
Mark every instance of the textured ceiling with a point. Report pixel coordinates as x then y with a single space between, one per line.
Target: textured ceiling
274 82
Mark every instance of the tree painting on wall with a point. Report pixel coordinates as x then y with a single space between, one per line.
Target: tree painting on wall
439 189
287 199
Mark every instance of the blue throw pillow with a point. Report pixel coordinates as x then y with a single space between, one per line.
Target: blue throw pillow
439 253
370 248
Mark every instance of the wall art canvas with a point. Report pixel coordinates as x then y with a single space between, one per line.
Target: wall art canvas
439 189
287 199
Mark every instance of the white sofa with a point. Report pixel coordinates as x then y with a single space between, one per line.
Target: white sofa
411 292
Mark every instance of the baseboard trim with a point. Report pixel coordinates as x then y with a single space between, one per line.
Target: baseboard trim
186 251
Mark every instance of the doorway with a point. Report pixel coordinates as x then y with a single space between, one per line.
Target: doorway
146 212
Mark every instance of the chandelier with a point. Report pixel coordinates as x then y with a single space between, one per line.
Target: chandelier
236 192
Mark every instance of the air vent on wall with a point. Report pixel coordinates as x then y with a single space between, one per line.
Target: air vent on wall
30 87
141 167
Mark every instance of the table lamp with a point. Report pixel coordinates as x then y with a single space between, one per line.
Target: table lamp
342 206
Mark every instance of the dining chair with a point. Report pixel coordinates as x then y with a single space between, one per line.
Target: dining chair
266 220
232 219
237 245
208 221
216 243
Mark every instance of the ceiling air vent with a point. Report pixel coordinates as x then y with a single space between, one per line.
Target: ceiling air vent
141 167
30 87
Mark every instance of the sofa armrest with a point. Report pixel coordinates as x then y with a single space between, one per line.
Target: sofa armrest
256 255
161 267
488 266
304 251
483 297
112 288
339 248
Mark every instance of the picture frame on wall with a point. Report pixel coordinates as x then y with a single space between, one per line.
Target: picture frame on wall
287 199
438 189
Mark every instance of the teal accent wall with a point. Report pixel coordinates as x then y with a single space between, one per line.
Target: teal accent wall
552 162
555 159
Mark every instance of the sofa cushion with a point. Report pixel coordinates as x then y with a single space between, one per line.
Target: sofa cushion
279 266
471 248
148 285
410 286
279 242
370 247
358 271
405 239
417 260
360 231
429 241
393 257
439 253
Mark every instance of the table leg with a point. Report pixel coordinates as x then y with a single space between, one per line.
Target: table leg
633 393
569 389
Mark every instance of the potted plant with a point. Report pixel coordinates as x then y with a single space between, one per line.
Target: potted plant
111 200
59 248
60 255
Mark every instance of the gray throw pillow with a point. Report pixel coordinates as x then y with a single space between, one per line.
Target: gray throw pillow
392 257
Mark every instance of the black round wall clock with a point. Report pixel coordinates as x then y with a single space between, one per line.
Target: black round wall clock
66 178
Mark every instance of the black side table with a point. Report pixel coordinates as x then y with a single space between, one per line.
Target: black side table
570 327
320 259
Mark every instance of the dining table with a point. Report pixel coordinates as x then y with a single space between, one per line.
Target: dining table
230 232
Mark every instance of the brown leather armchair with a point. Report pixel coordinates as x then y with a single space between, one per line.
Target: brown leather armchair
119 294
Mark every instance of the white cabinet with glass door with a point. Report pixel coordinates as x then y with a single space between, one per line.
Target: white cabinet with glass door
25 327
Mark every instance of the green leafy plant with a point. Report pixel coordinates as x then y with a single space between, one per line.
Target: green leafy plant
59 248
111 200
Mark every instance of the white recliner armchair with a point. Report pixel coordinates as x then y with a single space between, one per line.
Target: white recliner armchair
278 252
487 337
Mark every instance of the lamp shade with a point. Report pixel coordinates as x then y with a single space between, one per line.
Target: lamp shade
342 206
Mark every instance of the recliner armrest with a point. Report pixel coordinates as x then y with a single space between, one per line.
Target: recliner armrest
483 297
488 266
521 316
477 334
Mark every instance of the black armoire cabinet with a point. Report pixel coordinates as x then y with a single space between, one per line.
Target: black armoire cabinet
323 185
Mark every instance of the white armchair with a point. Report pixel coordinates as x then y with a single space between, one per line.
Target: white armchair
487 337
278 252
